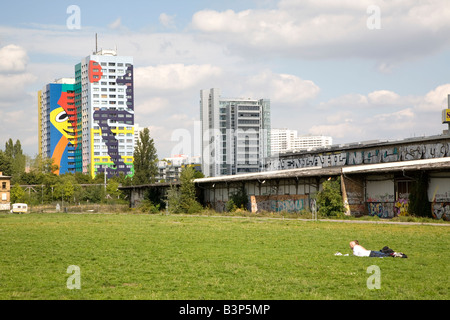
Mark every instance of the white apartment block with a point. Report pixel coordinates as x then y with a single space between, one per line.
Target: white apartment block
169 169
235 134
286 140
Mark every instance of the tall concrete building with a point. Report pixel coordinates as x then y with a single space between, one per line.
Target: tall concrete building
57 120
104 98
235 134
86 124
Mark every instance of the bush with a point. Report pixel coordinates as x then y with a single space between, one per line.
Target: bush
329 200
238 200
174 200
230 206
147 206
183 199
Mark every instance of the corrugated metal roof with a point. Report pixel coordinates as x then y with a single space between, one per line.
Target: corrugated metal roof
428 164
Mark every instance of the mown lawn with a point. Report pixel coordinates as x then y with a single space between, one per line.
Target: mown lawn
128 256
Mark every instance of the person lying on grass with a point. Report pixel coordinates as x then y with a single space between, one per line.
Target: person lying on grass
360 251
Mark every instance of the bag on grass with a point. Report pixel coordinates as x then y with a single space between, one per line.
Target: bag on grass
392 253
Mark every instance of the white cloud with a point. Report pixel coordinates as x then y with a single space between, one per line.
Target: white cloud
13 58
400 117
175 76
340 131
350 100
435 100
281 88
151 106
383 97
116 24
13 86
167 21
327 28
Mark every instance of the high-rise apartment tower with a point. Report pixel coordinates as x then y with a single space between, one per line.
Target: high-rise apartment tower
235 134
86 124
104 98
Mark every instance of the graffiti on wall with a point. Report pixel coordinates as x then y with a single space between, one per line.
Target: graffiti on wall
371 156
401 207
442 197
381 198
381 209
278 203
441 210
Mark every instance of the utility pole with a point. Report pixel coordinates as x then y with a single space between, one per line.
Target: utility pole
105 180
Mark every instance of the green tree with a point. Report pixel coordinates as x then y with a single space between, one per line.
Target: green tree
12 160
66 188
112 189
174 199
9 148
18 159
329 199
94 194
145 159
188 201
6 164
43 165
82 178
18 195
182 199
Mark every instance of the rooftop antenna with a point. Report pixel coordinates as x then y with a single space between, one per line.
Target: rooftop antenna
96 43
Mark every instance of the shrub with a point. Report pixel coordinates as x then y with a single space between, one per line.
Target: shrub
329 199
183 199
147 206
238 200
230 206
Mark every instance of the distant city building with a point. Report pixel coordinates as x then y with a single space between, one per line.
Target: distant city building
285 140
235 134
169 169
57 119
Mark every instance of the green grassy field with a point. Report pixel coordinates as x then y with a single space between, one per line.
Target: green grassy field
129 256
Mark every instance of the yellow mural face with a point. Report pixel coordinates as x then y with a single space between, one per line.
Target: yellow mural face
60 120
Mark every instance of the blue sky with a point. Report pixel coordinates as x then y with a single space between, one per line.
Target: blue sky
324 70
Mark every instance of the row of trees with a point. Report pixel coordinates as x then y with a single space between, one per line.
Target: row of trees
39 184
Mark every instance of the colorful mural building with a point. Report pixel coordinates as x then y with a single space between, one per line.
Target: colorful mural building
105 103
86 124
58 124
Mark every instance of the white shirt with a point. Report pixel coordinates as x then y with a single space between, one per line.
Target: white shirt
360 251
